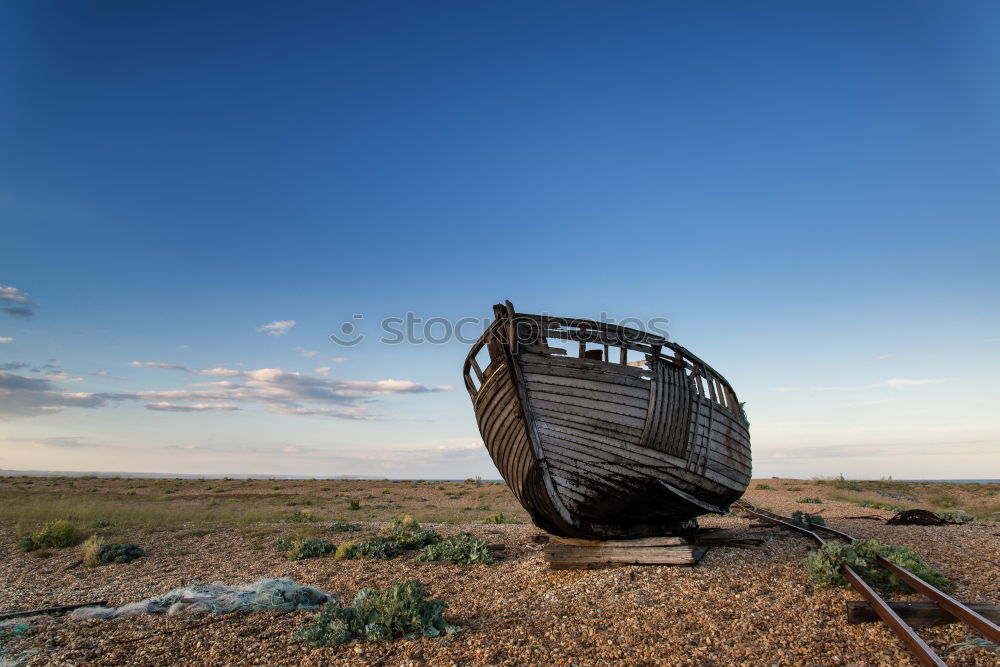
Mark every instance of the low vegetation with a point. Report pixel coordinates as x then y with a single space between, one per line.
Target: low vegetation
343 527
804 520
95 551
400 610
763 487
823 565
814 501
404 534
56 535
461 548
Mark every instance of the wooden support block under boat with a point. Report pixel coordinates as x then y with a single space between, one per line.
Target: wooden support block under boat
576 554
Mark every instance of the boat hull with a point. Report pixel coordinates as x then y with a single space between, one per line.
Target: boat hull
601 450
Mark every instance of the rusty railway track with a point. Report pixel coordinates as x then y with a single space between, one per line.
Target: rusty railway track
917 646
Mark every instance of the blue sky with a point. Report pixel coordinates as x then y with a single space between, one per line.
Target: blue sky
808 192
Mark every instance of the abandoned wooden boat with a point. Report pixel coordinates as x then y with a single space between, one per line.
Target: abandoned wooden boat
631 436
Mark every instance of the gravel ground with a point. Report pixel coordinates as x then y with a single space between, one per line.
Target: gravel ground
739 606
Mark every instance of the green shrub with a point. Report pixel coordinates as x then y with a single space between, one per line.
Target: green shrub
495 518
57 535
343 527
956 515
823 565
301 516
805 520
375 548
355 504
300 549
95 551
282 544
793 488
814 501
763 487
124 552
416 539
461 548
404 523
379 614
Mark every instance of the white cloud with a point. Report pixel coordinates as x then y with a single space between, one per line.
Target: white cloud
883 357
103 373
291 393
17 302
13 294
277 327
274 389
322 370
305 353
62 376
29 397
897 383
157 364
6 339
338 360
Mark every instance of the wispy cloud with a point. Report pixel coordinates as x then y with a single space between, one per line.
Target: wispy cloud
895 383
277 327
898 383
6 339
13 366
273 389
322 370
290 393
304 352
15 302
338 360
808 390
883 357
30 397
157 364
194 407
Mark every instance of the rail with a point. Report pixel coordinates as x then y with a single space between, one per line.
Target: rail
923 653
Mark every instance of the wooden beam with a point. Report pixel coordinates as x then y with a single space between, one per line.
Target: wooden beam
51 610
917 614
574 554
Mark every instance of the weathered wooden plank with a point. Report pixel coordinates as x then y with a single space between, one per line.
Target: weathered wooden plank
594 405
640 392
586 422
634 403
665 541
917 614
628 423
576 363
582 374
570 557
609 447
